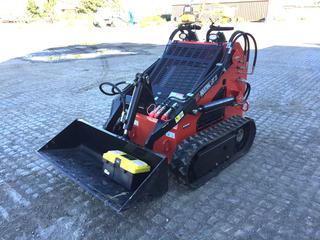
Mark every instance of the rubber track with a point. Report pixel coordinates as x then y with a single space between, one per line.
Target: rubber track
189 147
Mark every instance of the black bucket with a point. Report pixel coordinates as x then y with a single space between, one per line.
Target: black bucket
77 152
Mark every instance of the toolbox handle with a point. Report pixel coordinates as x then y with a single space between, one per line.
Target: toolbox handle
117 162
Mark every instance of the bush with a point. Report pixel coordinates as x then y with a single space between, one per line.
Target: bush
90 6
49 6
33 8
151 21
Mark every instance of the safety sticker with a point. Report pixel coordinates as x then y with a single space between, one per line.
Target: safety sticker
136 123
106 172
170 135
179 116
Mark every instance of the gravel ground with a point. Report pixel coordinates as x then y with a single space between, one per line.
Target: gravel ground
271 193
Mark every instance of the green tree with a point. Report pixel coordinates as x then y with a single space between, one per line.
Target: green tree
49 6
33 8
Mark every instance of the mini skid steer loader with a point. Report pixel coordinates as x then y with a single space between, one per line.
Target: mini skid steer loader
184 112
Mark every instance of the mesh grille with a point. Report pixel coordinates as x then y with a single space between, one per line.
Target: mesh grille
183 67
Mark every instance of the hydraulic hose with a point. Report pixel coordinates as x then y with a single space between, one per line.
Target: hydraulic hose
115 90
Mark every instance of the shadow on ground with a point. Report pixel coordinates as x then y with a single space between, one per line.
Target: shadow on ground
85 52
